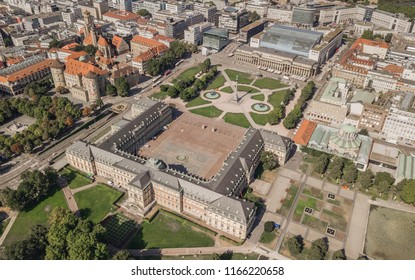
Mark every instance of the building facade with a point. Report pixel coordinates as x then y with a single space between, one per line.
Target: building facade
277 60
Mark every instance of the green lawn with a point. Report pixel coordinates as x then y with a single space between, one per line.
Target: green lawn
3 225
259 97
237 119
305 202
159 95
288 201
267 237
75 178
260 119
268 83
101 134
119 229
96 202
247 89
314 223
167 231
227 89
276 98
36 216
243 78
217 82
197 101
210 112
189 72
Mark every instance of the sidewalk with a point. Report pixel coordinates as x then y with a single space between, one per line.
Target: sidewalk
13 216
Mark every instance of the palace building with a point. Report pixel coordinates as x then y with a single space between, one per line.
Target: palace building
190 165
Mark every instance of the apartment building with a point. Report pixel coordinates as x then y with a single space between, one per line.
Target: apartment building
233 19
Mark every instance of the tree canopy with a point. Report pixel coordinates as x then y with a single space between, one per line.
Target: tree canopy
408 192
31 248
269 160
51 114
71 238
34 186
122 86
318 249
295 245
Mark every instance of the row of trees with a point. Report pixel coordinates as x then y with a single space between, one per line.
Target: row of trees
188 87
158 65
53 115
336 168
34 186
278 112
318 251
294 117
368 34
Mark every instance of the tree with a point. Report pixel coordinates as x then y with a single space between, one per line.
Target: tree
367 34
99 103
110 90
172 92
319 249
54 43
269 160
365 179
123 255
295 245
335 168
339 255
320 165
61 90
385 178
122 86
90 49
275 115
16 148
254 16
86 111
215 256
69 121
144 13
388 37
72 238
268 226
206 65
350 173
364 131
31 248
408 192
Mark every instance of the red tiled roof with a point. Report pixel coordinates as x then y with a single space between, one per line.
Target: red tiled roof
27 71
163 38
102 41
304 133
70 46
88 40
145 56
76 68
116 41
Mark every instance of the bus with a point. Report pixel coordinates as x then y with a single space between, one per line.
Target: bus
179 62
156 78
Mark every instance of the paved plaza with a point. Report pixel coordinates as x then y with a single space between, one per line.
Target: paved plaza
195 144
